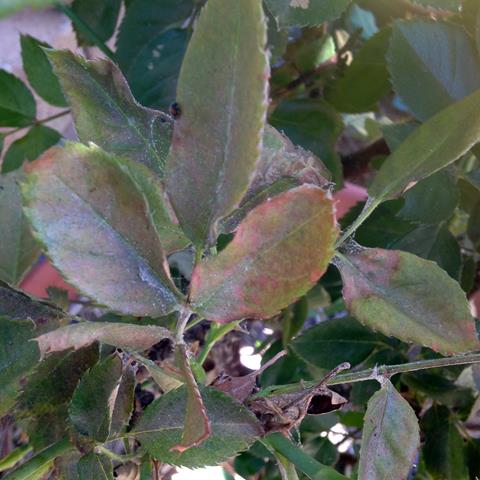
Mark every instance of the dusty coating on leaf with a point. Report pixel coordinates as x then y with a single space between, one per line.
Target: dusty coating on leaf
223 95
197 426
123 335
105 111
279 252
391 437
405 296
87 210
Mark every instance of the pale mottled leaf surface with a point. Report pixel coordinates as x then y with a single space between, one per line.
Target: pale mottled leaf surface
97 228
106 113
405 296
306 12
390 438
160 428
18 249
432 64
222 93
123 335
438 142
94 398
197 427
278 253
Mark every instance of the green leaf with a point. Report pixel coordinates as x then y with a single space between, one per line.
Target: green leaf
396 133
160 428
54 381
333 342
91 408
223 101
196 426
240 282
124 403
153 73
17 105
111 254
144 22
39 71
432 200
38 139
306 12
422 153
434 242
93 466
106 113
100 15
314 125
18 249
443 451
18 355
390 438
409 298
123 335
17 454
166 378
366 80
432 64
305 463
17 305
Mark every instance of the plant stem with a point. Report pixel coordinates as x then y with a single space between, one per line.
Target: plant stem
384 370
185 315
38 122
40 461
214 335
85 29
370 206
115 456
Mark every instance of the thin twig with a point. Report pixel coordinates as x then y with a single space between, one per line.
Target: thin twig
38 122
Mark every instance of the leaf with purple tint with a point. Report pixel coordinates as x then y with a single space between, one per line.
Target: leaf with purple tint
86 208
405 296
279 252
391 437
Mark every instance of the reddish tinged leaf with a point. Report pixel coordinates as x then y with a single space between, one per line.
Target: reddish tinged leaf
407 297
390 437
197 426
279 252
123 335
86 208
222 99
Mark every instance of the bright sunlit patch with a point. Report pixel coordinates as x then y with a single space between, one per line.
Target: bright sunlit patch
337 436
208 473
253 362
267 331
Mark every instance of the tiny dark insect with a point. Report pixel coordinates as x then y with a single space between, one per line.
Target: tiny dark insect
175 110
